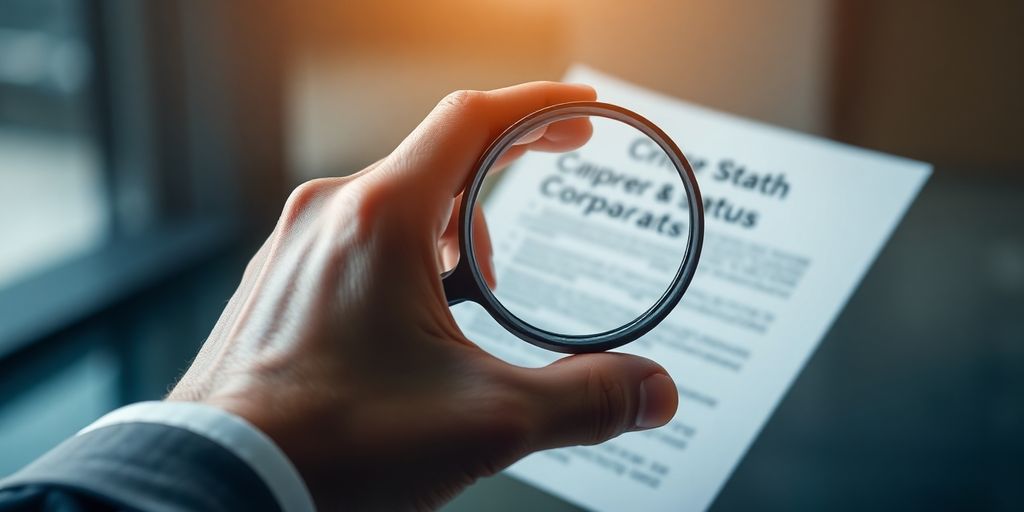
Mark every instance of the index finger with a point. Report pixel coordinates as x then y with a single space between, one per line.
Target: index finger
557 137
437 157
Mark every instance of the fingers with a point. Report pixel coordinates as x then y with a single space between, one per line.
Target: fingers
483 248
448 244
587 399
441 151
560 136
557 137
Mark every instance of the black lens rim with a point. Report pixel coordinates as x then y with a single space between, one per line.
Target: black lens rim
466 281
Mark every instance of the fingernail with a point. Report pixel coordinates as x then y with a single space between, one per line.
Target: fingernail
534 135
657 396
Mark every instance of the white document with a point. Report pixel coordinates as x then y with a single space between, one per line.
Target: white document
764 295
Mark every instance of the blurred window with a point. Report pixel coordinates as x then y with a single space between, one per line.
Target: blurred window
53 203
131 176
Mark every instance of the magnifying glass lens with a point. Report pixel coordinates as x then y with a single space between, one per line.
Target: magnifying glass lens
588 222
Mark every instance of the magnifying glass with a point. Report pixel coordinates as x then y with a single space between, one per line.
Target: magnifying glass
596 226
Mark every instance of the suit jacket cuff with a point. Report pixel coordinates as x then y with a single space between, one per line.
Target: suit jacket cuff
232 432
171 456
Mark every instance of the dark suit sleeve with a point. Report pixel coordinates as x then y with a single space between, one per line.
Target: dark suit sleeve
137 466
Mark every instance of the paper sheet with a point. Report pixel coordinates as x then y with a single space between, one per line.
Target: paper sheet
764 295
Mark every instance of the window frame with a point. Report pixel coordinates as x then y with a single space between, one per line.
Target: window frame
188 101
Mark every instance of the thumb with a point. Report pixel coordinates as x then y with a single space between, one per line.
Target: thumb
590 398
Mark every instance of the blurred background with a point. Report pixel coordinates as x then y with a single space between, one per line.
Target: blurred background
146 148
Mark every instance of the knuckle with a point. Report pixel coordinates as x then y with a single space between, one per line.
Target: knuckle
609 400
312 187
303 196
316 196
463 101
369 205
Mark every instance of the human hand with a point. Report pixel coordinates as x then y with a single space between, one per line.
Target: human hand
340 346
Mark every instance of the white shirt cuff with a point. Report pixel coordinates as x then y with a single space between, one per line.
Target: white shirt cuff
231 432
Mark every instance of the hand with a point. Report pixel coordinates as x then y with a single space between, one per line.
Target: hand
339 344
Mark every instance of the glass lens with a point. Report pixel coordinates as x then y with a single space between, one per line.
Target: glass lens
588 224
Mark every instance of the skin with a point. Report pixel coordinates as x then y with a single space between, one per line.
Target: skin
340 346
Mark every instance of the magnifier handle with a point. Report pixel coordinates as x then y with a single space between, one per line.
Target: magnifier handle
459 285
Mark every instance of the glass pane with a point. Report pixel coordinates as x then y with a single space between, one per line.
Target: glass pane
60 398
52 203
